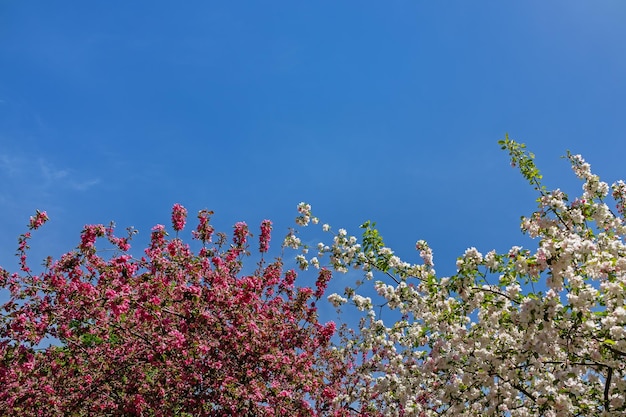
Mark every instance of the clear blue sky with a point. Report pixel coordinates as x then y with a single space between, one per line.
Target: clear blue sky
387 111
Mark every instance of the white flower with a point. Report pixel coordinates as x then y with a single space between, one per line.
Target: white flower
491 260
337 300
292 241
362 303
302 262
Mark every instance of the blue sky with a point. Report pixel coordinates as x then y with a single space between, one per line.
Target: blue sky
387 111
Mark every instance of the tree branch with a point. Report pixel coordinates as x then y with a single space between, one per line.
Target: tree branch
607 386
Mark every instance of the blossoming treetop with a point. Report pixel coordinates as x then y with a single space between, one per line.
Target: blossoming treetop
485 342
529 332
171 333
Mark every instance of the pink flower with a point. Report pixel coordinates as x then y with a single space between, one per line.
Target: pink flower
204 231
322 282
327 331
178 338
179 216
40 218
157 239
90 233
241 234
264 239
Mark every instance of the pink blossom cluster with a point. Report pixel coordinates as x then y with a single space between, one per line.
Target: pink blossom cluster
204 230
179 217
264 238
38 220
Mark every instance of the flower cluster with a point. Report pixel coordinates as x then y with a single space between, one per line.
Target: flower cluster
37 220
204 230
264 238
179 217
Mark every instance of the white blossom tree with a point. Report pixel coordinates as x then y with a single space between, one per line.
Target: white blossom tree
483 342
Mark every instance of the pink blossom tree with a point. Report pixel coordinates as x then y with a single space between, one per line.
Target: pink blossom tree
171 333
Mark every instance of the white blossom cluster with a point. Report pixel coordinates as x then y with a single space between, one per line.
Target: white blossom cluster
484 342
